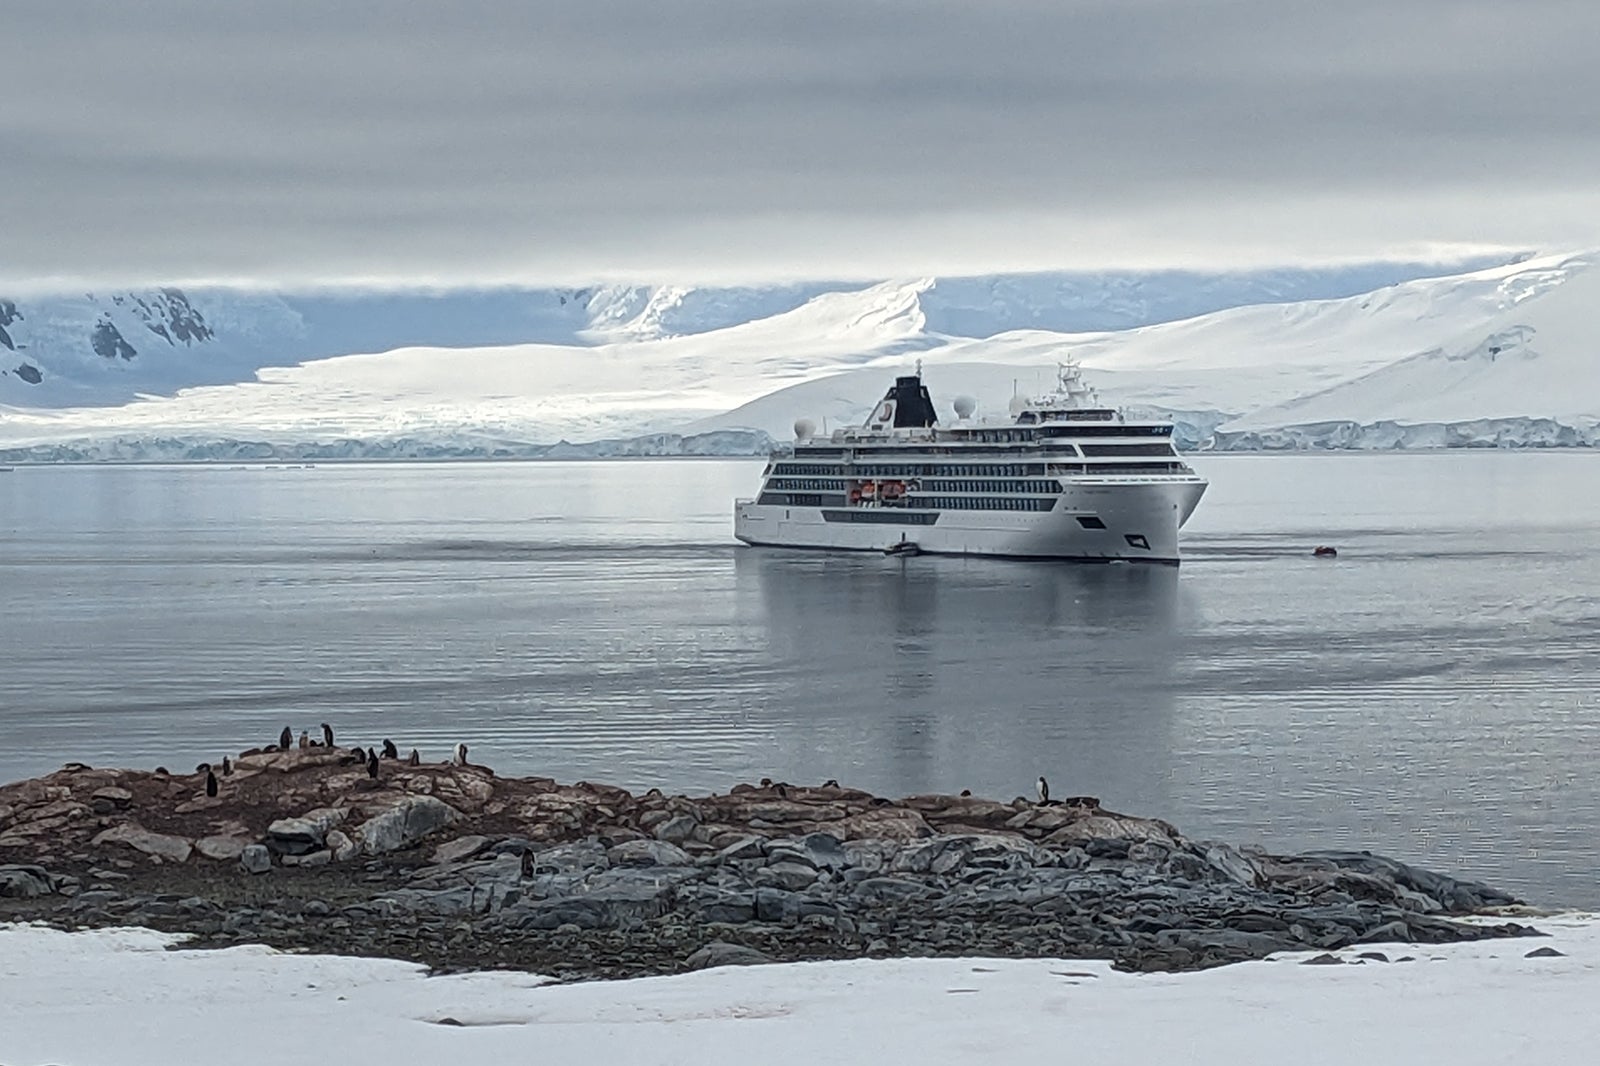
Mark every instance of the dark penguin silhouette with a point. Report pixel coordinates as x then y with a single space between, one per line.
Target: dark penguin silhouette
286 739
211 783
305 739
202 768
389 750
372 764
327 735
227 766
414 759
1044 791
461 755
527 864
830 783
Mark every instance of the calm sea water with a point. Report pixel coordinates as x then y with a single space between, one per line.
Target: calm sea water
1431 693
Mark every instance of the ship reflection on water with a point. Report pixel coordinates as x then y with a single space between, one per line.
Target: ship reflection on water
942 674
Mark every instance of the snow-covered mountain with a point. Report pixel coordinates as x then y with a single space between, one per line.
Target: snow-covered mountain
1501 355
98 349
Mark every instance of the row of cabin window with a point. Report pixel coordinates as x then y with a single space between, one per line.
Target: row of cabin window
984 503
823 484
807 468
948 469
911 469
820 484
1102 469
991 486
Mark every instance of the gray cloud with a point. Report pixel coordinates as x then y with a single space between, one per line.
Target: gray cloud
472 140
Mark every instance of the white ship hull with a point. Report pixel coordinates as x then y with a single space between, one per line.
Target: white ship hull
1140 518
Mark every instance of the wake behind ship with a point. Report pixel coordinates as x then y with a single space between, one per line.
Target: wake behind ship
1063 478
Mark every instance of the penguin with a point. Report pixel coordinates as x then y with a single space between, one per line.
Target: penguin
227 766
389 750
830 783
211 783
527 862
966 793
286 738
327 735
414 759
203 768
782 790
766 782
370 754
372 764
461 755
1044 791
305 739
161 771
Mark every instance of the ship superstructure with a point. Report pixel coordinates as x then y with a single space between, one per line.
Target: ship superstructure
1062 477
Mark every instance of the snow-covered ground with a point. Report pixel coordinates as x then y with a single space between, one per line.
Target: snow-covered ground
118 996
1509 354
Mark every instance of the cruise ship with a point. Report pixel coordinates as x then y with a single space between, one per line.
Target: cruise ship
1061 478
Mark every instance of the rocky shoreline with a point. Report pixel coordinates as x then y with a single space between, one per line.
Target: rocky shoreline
317 848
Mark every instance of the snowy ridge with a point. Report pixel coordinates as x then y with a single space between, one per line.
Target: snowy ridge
1503 356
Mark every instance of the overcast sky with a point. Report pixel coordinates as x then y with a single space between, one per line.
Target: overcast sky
287 142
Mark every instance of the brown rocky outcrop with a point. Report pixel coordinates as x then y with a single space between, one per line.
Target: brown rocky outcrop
307 802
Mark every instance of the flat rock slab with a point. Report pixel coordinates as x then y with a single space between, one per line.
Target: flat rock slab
160 845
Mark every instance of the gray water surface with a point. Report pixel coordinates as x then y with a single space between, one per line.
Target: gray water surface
1431 693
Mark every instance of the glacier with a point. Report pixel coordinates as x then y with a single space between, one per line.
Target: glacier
1492 356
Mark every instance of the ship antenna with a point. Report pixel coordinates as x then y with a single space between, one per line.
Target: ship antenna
919 366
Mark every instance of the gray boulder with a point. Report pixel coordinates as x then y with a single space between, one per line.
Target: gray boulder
821 851
721 953
788 875
158 845
676 829
648 853
255 859
24 882
618 907
404 824
747 847
307 833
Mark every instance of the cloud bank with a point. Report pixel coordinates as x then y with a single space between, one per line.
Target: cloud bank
476 141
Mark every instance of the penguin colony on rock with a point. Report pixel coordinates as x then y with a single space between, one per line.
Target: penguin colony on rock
371 758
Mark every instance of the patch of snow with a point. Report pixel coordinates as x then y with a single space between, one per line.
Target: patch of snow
122 996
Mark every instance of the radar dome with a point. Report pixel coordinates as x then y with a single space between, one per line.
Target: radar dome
1019 404
804 428
965 405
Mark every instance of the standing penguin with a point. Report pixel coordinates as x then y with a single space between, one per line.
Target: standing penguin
389 750
1044 791
414 759
372 763
211 783
327 735
527 862
305 739
461 755
227 766
286 738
